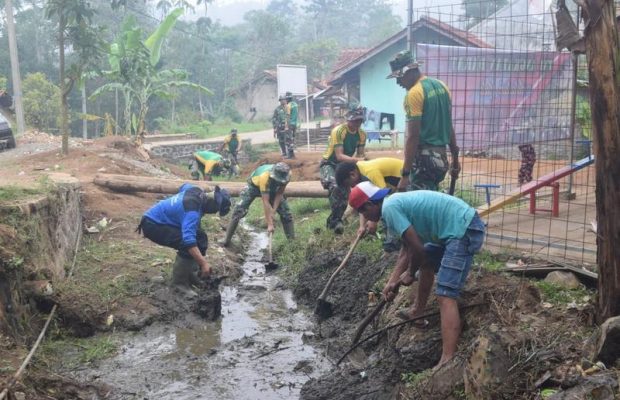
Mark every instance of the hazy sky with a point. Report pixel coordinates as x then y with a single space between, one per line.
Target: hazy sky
230 12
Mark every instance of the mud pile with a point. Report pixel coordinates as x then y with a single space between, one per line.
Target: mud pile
511 345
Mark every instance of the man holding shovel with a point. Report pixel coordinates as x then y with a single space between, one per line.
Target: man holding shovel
267 182
439 233
175 222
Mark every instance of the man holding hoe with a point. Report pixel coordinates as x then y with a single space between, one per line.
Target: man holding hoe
439 233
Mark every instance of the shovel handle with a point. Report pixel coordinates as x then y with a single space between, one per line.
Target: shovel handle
340 267
368 319
270 253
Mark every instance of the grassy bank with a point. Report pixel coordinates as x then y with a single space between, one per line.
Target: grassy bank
311 235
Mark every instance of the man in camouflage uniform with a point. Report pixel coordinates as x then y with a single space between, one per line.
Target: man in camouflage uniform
279 124
292 112
230 148
207 163
344 141
267 182
428 109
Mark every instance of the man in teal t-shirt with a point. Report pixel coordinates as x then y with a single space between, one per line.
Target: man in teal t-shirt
439 233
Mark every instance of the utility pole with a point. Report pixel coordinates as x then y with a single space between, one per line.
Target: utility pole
409 26
15 75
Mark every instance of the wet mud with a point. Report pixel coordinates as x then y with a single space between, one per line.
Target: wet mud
256 350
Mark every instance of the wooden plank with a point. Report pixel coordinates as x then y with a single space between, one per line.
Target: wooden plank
513 196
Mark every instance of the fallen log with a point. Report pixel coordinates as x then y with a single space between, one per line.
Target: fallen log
132 183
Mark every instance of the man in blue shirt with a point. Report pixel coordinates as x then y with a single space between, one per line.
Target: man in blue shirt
175 222
440 233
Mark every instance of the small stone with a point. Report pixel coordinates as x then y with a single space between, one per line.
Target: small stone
19 395
21 173
102 169
158 279
564 279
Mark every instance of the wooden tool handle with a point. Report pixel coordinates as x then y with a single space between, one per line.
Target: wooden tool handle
342 264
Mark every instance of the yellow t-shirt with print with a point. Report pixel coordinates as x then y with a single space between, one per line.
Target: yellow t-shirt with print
350 142
382 172
429 101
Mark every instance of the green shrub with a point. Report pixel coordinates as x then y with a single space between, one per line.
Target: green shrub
41 102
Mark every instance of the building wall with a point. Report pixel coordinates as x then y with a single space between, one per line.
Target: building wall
378 93
263 97
384 95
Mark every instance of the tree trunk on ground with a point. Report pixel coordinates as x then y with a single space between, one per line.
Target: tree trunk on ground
64 112
602 48
131 184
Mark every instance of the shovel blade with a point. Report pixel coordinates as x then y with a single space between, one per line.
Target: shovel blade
323 309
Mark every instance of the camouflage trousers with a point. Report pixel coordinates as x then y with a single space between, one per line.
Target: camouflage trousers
290 138
282 135
429 169
247 196
338 196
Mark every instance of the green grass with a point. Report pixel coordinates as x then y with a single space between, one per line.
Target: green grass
557 295
13 192
311 236
219 128
77 351
412 379
489 261
93 276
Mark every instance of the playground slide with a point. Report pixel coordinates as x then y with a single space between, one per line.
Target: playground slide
534 185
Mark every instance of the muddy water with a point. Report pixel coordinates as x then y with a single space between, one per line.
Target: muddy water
255 351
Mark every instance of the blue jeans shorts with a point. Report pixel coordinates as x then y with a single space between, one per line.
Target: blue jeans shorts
452 260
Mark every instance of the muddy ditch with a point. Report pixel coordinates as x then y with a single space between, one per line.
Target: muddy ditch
257 349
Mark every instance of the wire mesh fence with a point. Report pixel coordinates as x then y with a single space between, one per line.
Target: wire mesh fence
522 122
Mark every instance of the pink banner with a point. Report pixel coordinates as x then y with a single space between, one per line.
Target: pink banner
503 98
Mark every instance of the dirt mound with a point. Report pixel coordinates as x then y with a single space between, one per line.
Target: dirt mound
502 313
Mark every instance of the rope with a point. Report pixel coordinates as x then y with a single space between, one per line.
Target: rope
26 361
387 328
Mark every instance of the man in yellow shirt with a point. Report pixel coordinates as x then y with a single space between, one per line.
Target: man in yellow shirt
345 140
267 182
428 109
382 172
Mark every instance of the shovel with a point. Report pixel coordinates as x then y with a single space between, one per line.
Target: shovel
323 307
362 326
270 266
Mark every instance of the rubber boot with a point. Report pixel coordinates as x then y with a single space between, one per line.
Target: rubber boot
194 278
283 149
289 229
291 154
230 231
181 276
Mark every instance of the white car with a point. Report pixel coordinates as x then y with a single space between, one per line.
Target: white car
7 141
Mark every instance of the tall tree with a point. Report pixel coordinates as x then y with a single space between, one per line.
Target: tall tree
73 18
135 71
16 76
603 52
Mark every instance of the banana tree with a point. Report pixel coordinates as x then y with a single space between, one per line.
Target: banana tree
134 71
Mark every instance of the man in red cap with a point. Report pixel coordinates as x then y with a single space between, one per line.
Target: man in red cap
439 233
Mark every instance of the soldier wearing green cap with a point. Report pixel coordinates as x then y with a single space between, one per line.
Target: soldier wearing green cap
267 182
345 140
278 122
230 148
292 111
428 110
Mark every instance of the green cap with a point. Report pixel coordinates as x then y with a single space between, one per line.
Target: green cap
281 173
356 113
401 63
